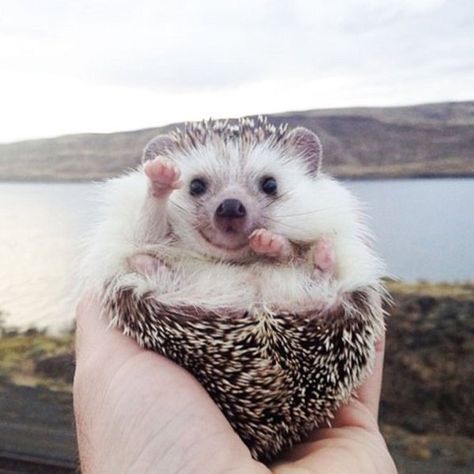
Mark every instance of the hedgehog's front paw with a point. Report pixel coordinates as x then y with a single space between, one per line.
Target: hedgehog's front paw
163 175
267 243
146 265
323 258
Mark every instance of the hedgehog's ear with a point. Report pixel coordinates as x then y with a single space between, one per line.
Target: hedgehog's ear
160 145
307 146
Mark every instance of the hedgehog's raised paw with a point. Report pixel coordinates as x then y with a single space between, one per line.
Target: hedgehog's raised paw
323 258
164 176
267 243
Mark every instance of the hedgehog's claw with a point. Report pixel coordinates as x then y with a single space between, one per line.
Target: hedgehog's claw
163 175
145 264
264 242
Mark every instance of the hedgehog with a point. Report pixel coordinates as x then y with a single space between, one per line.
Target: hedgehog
229 251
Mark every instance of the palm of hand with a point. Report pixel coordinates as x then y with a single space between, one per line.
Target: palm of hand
139 412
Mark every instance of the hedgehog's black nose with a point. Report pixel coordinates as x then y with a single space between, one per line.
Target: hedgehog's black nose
231 208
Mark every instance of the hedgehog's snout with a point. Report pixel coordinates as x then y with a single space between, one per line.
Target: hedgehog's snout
231 209
230 215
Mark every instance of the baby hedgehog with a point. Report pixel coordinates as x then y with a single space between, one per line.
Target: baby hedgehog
231 253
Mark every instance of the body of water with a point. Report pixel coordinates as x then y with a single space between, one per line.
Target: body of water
424 230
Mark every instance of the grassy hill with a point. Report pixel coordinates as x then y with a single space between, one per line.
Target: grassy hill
416 141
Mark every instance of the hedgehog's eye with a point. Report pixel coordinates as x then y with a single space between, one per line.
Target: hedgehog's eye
197 187
269 185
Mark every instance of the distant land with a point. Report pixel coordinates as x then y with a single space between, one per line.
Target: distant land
431 140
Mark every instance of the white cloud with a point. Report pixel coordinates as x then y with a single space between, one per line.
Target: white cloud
106 65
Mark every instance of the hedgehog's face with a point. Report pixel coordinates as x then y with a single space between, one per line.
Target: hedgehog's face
225 213
229 190
222 201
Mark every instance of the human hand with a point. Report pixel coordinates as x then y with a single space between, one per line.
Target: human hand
136 411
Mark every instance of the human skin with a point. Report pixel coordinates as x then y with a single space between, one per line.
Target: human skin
138 412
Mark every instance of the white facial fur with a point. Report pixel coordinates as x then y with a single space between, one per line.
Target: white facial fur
233 174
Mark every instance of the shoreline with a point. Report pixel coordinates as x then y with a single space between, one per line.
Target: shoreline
458 290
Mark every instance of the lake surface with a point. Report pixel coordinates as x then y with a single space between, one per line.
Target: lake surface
424 230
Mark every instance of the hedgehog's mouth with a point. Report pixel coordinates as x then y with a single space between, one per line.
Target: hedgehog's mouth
229 241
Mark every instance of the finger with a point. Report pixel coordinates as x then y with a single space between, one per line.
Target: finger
94 335
369 393
362 409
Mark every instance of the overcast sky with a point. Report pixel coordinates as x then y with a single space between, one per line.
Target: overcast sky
69 66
